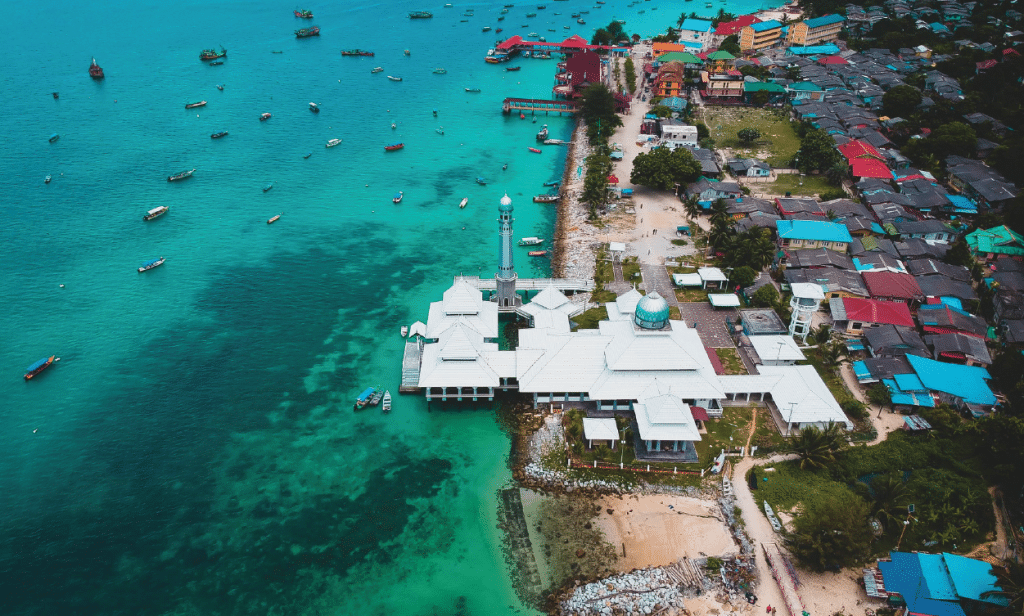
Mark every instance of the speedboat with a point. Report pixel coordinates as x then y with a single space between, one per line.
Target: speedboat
440 71
464 201
513 69
504 167
377 69
220 86
180 176
486 29
47 180
387 402
439 130
398 197
472 89
54 137
273 219
264 117
268 187
405 331
545 199
393 78
148 265
330 144
542 134
534 150
39 366
156 212
314 108
531 241
394 126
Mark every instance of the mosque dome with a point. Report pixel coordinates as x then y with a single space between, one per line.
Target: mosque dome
651 311
506 204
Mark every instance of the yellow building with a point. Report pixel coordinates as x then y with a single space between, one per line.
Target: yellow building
761 35
815 31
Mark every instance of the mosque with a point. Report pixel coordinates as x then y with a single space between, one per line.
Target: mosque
637 362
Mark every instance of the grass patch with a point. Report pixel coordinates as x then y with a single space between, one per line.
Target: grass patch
728 432
777 145
693 296
604 272
590 318
680 242
787 485
631 270
812 185
730 359
674 314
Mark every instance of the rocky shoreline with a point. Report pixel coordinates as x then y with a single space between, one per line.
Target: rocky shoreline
574 248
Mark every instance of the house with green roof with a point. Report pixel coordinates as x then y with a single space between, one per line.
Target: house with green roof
995 242
775 92
687 58
805 91
720 61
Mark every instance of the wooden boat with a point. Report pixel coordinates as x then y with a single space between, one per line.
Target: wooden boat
39 366
377 69
486 29
464 201
513 69
555 142
481 181
213 54
47 179
472 89
545 199
54 137
148 265
156 212
357 52
554 183
180 176
303 13
393 78
216 62
273 219
308 154
195 104
378 395
499 30
363 399
393 126
531 241
95 71
264 117
537 253
394 146
268 187
398 197
406 52
534 150
222 133
439 130
56 95
307 32
331 144
440 71
420 15
387 402
220 87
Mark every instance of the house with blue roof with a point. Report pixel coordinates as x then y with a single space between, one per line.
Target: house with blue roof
816 30
799 234
938 584
805 91
696 34
955 384
828 49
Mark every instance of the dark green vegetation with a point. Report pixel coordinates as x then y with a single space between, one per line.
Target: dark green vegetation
598 112
817 152
630 75
662 168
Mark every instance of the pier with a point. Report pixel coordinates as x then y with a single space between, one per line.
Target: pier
534 105
411 360
572 285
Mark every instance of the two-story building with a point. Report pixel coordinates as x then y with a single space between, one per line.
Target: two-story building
676 133
817 30
726 85
797 234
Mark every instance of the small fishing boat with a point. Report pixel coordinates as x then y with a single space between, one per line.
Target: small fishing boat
537 253
39 366
308 154
393 126
47 179
180 176
54 137
542 56
534 150
472 89
307 32
498 31
95 71
276 51
393 78
273 219
420 15
504 11
542 134
148 265
303 13
386 407
213 54
216 62
463 203
581 22
56 95
156 212
481 181
220 87
533 34
531 14
363 399
377 69
440 71
531 241
264 117
439 130
555 142
330 144
435 113
406 52
195 104
504 167
501 18
398 197
522 116
545 199
405 331
394 146
222 133
268 187
378 394
357 52
314 108
486 29
513 69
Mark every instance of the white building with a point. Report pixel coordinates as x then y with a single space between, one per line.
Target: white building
696 34
677 135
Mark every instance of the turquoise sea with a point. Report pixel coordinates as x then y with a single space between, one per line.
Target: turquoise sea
195 451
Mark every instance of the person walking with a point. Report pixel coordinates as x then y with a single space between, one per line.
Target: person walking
768 610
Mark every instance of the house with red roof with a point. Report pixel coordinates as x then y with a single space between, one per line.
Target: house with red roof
894 287
852 315
732 28
864 160
981 67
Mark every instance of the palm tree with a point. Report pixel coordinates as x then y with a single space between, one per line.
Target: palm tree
719 235
814 448
837 173
890 500
692 207
760 247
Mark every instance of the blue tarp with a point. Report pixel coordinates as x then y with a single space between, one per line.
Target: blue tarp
906 398
952 301
965 382
366 394
860 370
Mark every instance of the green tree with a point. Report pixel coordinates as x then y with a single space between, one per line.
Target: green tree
597 108
838 172
954 138
662 168
901 101
702 131
890 498
960 254
692 207
748 135
831 532
731 44
815 447
743 276
630 74
661 111
879 395
817 151
765 297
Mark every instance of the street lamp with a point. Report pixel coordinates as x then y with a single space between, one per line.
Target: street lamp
622 445
789 423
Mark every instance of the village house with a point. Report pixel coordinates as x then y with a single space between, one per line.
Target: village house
709 190
853 316
990 244
696 34
894 287
835 283
799 234
749 168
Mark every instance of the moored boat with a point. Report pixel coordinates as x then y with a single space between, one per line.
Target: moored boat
222 133
148 265
486 29
39 366
307 32
264 117
54 137
268 187
398 197
552 183
216 62
513 69
407 52
364 398
303 13
95 71
307 155
537 253
56 95
314 108
555 142
405 331
180 176
213 54
440 71
464 201
195 104
220 87
393 146
420 15
386 407
481 181
357 52
393 78
273 219
377 69
531 241
331 144
378 394
534 150
47 179
156 212
545 199
472 89
542 134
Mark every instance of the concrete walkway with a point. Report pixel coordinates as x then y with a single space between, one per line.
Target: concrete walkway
656 278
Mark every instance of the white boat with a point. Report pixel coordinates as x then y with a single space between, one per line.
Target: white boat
405 331
531 241
464 201
393 78
377 69
332 143
387 402
47 180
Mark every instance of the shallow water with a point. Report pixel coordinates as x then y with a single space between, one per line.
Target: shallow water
195 450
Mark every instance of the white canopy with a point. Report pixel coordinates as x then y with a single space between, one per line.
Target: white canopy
600 429
617 246
687 280
711 274
724 300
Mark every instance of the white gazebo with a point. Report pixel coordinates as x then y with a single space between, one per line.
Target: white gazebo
600 429
724 300
712 274
687 280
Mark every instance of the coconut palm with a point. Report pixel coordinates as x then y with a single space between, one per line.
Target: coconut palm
890 500
760 247
814 448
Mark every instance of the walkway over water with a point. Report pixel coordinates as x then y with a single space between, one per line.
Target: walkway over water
537 104
411 361
533 284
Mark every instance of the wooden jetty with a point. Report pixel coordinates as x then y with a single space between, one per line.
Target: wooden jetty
411 361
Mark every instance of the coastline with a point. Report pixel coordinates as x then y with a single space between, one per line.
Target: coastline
574 251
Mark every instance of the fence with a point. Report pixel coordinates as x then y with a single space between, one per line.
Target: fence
648 469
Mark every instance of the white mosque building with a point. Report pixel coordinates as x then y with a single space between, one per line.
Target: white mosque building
637 362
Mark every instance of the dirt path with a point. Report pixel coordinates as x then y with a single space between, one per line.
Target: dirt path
753 428
883 423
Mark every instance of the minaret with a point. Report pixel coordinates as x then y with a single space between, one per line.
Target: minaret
506 276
